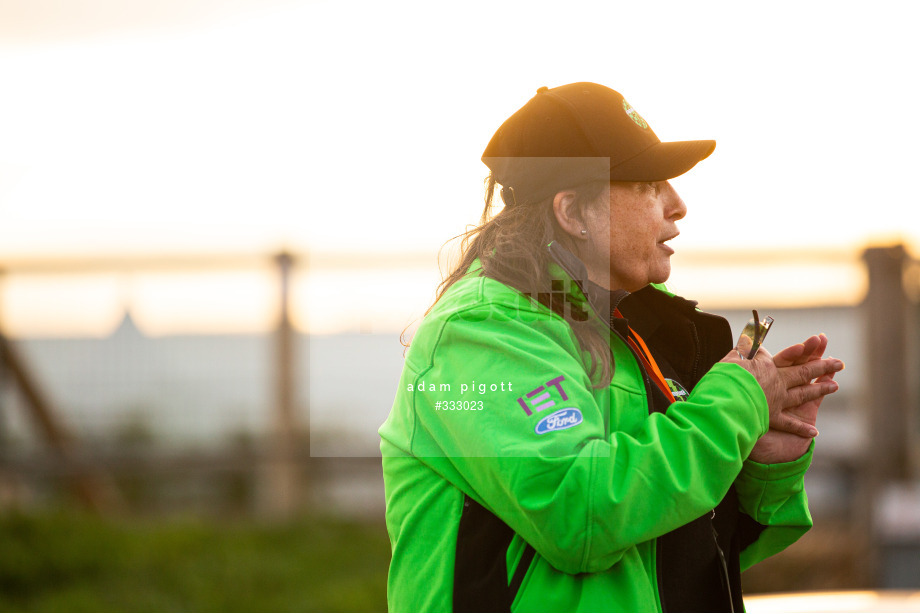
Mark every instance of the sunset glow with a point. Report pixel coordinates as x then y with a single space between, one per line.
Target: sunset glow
233 127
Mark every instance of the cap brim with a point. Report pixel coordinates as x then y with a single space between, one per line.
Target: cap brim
662 161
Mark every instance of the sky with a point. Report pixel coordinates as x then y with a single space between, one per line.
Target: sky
145 127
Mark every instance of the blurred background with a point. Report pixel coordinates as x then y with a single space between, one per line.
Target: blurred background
217 217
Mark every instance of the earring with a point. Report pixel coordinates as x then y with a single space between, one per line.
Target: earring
584 232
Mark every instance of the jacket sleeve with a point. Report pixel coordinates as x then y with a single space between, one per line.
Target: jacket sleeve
773 496
580 492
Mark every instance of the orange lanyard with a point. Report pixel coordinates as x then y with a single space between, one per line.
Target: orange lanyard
651 367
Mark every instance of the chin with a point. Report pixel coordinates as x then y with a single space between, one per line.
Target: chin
660 276
661 273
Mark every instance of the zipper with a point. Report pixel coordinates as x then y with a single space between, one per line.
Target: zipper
695 372
726 581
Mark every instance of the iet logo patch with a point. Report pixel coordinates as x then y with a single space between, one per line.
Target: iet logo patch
542 397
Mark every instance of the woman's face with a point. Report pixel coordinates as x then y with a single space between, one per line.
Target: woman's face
633 234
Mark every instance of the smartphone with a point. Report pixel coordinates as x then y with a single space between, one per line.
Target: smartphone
756 330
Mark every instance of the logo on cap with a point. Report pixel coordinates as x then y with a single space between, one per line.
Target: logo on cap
634 115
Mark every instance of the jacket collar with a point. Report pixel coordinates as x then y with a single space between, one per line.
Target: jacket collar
583 291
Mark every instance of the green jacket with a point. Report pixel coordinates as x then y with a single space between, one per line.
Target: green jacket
496 418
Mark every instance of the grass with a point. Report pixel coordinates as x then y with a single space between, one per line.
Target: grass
72 562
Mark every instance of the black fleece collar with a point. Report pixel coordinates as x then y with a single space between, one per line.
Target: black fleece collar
602 300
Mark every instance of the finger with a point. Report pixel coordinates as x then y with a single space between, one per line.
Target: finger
808 411
800 395
822 347
734 355
791 355
812 345
785 422
827 377
801 374
800 353
744 346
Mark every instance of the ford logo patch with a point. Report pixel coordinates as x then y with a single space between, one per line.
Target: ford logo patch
562 419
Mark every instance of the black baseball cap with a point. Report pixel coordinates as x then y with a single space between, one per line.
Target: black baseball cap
581 132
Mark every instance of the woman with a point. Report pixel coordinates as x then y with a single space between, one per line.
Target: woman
569 436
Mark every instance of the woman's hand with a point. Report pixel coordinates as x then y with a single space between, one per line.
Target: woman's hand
794 383
777 446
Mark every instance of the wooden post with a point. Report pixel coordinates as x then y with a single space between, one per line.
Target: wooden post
4 375
5 378
887 462
283 487
887 337
92 488
304 388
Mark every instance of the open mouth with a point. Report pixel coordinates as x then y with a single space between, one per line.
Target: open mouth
663 244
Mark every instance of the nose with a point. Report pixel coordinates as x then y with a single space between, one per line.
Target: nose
675 208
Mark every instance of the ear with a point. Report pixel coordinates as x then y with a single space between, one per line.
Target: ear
568 216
